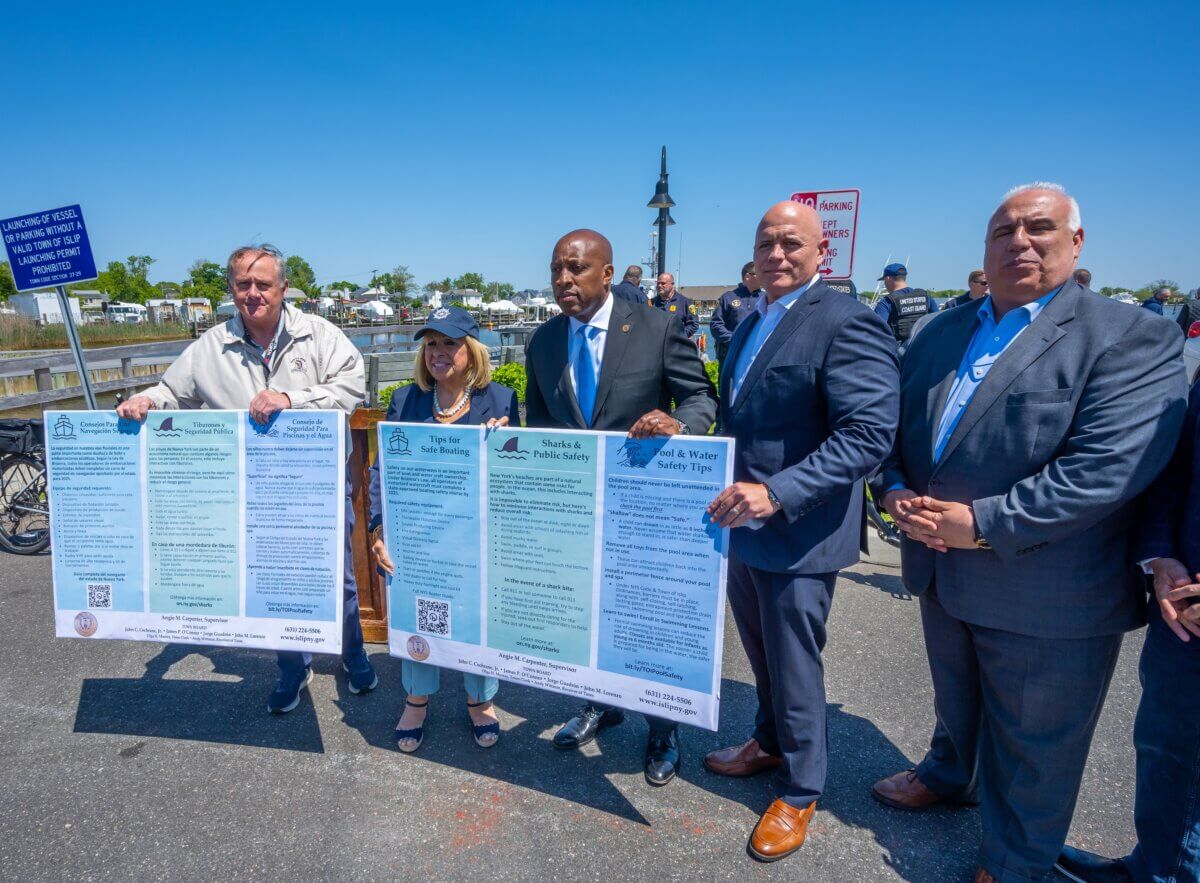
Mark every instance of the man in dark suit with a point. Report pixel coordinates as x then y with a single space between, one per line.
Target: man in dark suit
670 301
1166 808
630 287
732 309
811 395
1029 423
605 364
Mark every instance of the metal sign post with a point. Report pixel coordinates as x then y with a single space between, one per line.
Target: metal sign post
76 348
47 249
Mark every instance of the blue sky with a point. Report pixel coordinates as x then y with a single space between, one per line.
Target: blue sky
456 137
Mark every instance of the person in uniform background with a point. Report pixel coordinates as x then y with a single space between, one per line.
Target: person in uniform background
605 364
976 290
630 287
810 396
671 301
733 307
451 385
902 306
267 358
1083 277
1030 422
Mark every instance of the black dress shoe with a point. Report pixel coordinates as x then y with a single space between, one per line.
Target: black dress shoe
582 729
1086 867
662 758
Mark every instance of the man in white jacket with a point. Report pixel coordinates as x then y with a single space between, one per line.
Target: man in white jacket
267 358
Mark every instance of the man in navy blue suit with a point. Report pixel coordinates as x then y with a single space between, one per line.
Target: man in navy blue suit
1030 421
810 394
1166 809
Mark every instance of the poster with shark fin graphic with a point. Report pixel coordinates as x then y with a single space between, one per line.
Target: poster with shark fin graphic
198 527
574 561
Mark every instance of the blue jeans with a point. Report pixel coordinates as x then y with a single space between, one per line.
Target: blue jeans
293 663
1166 809
423 679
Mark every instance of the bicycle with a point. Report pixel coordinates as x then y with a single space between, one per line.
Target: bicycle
24 504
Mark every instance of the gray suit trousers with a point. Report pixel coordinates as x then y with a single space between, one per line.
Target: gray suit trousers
1016 714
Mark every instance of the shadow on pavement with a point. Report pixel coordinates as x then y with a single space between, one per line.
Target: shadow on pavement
889 584
231 713
522 757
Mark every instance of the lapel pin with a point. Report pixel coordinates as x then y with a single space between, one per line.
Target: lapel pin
625 328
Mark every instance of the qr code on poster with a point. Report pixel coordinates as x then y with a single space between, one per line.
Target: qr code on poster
433 617
99 596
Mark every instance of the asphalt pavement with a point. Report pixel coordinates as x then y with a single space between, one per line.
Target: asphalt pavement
123 760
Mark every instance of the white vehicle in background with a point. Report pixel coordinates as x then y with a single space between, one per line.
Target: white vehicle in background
125 314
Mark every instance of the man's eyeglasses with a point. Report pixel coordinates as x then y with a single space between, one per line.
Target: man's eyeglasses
979 282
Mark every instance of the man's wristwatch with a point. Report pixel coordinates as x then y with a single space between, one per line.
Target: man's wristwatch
774 499
980 540
683 427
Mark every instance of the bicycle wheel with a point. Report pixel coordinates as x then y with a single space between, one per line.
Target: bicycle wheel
24 509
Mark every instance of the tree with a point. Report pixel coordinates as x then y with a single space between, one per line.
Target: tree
206 279
300 274
403 282
342 286
473 281
139 265
8 285
443 285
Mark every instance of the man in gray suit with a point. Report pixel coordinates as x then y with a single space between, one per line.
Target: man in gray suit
1029 423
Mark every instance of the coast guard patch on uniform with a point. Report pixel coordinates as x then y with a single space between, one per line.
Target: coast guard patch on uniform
673 308
736 302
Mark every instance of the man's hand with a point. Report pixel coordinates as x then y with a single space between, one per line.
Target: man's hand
954 523
379 547
266 403
135 408
899 504
496 422
654 423
741 502
1173 588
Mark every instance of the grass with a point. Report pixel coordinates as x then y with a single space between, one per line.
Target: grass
22 333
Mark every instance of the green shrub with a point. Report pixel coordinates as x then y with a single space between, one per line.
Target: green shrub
713 370
385 394
511 375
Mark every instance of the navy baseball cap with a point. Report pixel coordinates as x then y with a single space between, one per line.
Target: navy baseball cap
893 270
451 321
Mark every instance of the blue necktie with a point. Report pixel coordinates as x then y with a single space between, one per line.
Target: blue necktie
585 373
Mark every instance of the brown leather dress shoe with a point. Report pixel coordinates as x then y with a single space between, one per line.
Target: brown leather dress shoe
780 831
746 759
982 876
904 791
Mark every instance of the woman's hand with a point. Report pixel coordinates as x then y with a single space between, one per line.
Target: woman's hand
379 547
497 422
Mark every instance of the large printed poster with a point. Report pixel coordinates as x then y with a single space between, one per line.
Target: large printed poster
198 527
579 562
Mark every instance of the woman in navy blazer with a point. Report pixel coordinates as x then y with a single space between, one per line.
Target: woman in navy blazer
452 384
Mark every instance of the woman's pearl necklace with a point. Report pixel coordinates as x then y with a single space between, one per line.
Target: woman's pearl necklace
453 409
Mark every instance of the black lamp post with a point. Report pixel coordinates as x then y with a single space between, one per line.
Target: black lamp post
663 202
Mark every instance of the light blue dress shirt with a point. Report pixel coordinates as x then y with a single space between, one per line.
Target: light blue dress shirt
989 343
595 341
769 317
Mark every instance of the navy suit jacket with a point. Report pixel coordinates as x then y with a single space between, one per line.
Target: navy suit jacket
1071 424
647 363
815 415
1170 525
629 292
411 404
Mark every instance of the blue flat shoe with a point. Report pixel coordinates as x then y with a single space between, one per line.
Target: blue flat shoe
486 735
415 736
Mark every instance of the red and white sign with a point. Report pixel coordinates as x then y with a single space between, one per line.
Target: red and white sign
839 222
